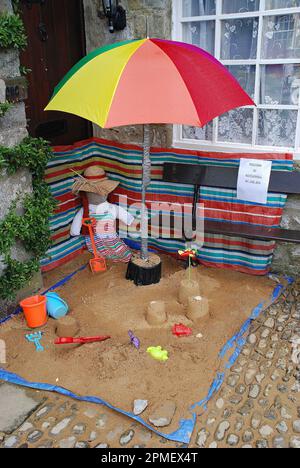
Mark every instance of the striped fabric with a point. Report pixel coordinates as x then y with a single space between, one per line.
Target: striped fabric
111 248
123 163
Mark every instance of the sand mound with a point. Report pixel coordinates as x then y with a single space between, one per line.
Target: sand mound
107 304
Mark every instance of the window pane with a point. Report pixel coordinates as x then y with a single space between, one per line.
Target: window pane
201 34
245 74
198 7
239 39
281 37
280 84
240 6
236 126
197 133
274 4
277 128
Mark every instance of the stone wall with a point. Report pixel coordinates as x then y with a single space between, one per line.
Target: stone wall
158 14
12 131
287 256
13 125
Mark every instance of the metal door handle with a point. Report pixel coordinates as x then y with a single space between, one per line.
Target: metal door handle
43 32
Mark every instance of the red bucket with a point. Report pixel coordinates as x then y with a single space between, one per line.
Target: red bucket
35 311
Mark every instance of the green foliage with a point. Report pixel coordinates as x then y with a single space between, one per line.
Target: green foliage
31 227
16 276
12 32
24 71
32 153
4 107
16 5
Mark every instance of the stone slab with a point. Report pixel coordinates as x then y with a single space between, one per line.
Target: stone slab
16 405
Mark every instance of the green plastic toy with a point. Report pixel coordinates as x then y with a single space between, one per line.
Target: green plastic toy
158 353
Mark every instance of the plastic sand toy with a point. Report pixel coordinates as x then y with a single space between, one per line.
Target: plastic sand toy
97 264
134 340
181 330
190 255
158 353
80 340
35 311
56 306
35 338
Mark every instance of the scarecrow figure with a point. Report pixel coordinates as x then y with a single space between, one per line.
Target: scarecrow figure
94 189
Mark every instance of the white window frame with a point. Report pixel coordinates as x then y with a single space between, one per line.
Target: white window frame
178 140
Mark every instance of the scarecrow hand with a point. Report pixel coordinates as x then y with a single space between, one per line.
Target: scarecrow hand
106 228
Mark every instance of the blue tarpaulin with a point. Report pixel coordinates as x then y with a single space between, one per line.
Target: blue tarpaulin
186 426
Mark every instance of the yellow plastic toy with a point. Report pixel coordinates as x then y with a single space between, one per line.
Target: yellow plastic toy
158 353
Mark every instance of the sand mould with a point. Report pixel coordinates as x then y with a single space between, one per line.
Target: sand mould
114 370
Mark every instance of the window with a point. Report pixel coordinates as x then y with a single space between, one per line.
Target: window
259 42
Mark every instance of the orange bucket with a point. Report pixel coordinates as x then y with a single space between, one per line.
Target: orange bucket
35 311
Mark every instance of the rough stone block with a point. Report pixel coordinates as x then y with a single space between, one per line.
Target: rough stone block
2 91
287 259
291 215
11 187
10 63
16 405
12 137
155 3
6 6
15 118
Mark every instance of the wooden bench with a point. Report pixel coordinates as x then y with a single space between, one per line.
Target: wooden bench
223 177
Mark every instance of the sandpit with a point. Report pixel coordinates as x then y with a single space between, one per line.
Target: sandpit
108 304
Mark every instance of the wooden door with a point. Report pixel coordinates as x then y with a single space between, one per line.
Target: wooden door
56 41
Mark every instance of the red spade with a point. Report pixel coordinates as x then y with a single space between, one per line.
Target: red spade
80 340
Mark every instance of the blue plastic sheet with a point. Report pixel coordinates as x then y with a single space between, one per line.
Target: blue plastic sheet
182 434
186 426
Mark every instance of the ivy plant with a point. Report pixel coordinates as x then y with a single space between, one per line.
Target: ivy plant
24 71
12 32
31 227
4 107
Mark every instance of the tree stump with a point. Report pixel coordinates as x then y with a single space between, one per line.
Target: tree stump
144 273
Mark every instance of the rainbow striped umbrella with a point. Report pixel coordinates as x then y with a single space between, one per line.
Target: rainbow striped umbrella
148 81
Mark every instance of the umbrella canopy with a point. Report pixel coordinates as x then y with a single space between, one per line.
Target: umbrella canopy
148 81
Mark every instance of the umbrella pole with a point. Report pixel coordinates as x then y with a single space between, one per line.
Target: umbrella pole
146 179
145 269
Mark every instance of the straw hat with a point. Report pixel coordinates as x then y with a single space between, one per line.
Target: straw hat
95 180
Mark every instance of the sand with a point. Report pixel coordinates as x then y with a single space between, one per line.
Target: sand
114 370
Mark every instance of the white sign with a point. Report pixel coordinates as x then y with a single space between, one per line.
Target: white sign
254 180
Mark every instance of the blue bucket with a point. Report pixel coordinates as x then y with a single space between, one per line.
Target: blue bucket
56 306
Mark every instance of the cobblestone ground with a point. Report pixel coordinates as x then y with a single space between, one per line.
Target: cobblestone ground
257 407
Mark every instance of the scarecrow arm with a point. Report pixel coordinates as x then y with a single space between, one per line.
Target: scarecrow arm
77 223
124 216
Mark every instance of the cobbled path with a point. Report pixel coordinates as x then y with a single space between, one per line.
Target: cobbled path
257 407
